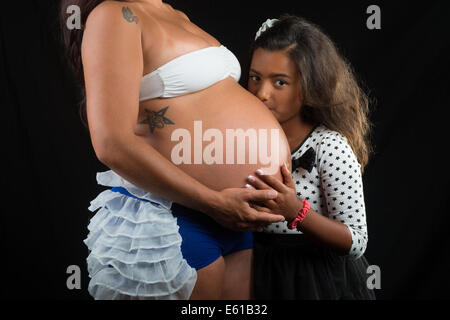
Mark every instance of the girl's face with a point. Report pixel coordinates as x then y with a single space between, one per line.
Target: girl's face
275 79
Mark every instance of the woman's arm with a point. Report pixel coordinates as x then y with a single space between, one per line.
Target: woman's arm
113 67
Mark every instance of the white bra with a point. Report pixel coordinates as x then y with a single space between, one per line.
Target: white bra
193 71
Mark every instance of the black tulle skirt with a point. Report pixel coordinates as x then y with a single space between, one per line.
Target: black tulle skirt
290 267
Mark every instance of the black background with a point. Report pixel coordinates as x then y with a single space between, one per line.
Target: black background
48 164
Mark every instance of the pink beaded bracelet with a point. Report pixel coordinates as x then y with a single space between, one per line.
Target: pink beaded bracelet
300 216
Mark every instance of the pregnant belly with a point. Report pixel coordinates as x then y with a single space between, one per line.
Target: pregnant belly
219 135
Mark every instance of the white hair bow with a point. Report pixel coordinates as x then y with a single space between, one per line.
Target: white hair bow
266 25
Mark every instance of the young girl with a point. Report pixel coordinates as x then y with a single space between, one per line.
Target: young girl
318 254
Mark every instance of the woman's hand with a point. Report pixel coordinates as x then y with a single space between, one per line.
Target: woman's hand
286 203
231 209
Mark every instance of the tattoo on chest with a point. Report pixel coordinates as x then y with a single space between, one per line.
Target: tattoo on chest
129 15
156 119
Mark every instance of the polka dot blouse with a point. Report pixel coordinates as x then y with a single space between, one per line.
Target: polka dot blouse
333 187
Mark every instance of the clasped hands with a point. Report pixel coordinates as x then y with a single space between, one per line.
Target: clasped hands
263 201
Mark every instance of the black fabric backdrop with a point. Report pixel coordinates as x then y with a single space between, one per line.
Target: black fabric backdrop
49 166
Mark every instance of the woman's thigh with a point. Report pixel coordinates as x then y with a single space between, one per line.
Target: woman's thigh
218 254
238 276
227 278
210 281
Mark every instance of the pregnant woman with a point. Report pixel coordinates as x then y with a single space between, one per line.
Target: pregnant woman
180 135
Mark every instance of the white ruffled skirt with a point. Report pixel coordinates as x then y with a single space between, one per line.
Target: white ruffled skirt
135 246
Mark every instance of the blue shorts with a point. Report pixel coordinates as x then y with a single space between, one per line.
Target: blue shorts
204 240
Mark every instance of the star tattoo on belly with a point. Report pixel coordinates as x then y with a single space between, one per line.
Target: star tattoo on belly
156 119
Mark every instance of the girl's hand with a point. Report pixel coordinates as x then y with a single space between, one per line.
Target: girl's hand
232 209
286 203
